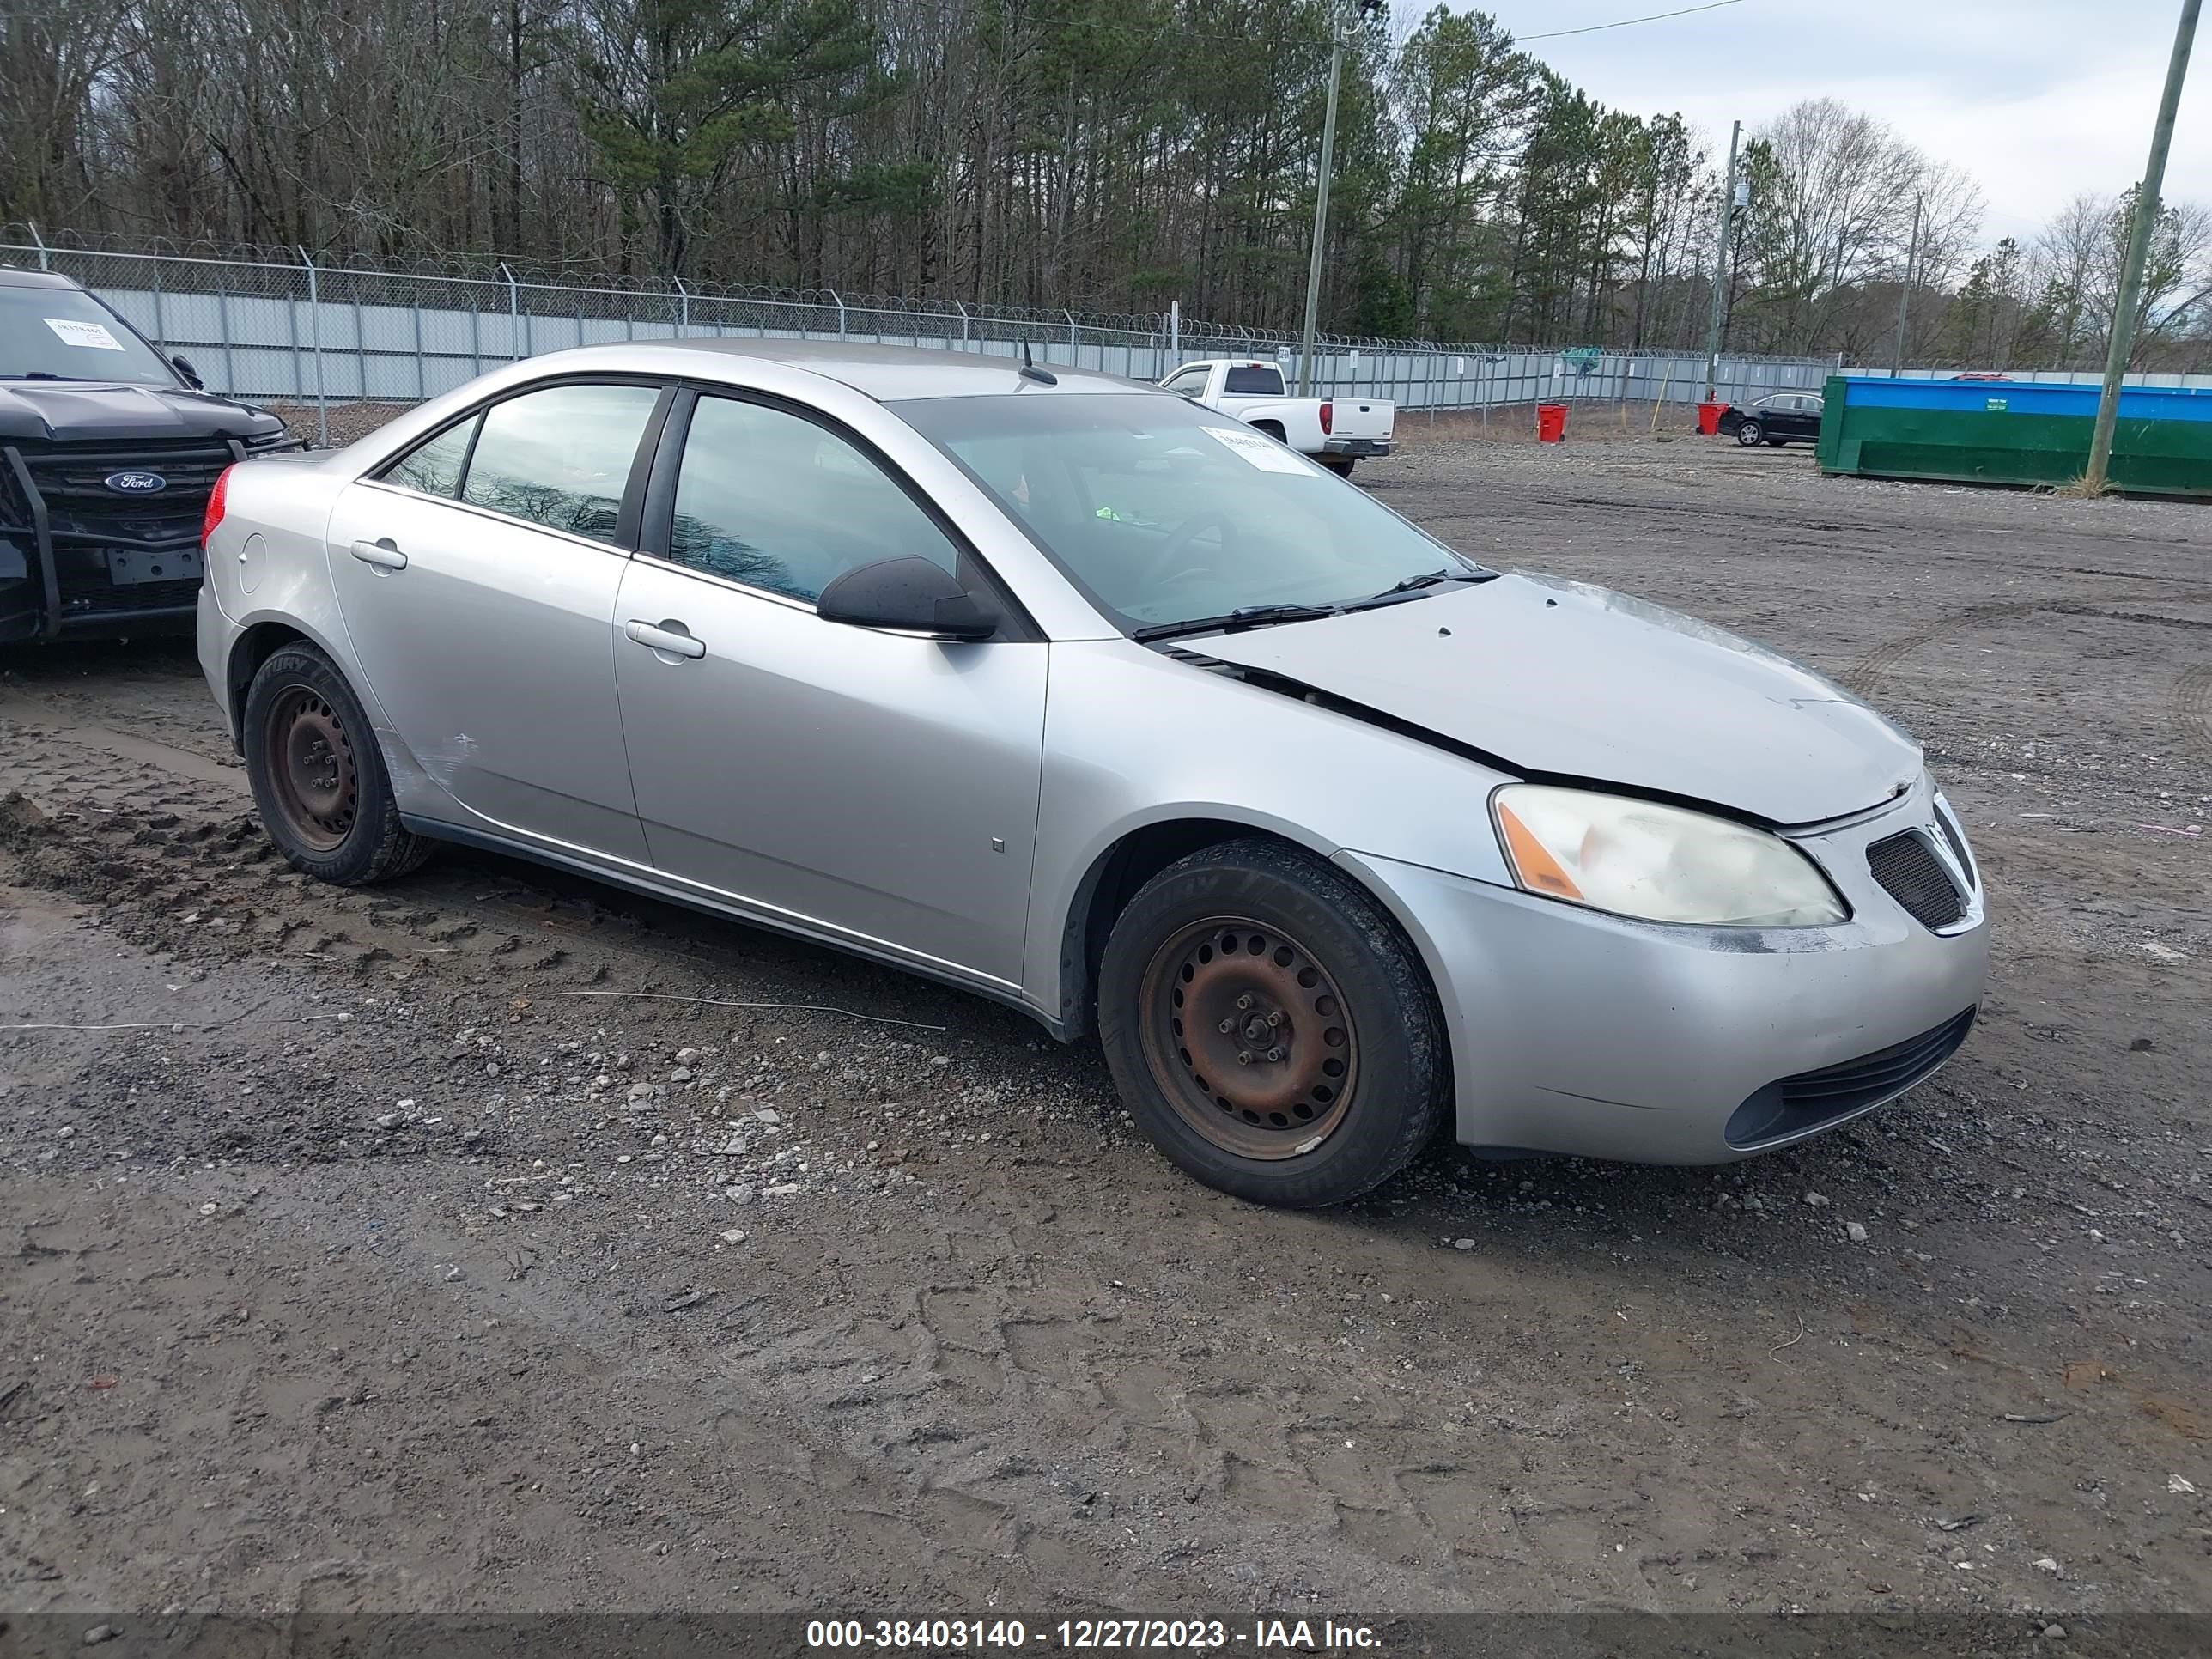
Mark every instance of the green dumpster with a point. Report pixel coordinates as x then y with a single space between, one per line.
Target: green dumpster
2012 432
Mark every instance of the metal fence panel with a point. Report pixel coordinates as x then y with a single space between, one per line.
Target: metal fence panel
321 334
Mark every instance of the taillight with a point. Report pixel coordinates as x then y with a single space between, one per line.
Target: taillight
1328 411
215 496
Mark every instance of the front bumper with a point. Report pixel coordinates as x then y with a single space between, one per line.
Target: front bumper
77 562
25 616
1577 1032
1355 447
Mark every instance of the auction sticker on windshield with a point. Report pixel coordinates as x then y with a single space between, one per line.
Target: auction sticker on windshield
1258 450
94 334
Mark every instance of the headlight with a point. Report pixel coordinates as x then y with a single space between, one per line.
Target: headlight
1635 857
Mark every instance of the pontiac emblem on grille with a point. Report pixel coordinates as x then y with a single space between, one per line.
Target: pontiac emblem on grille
136 484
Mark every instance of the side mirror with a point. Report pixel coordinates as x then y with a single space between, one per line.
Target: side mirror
913 596
183 365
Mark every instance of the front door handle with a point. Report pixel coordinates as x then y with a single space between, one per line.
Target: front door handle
383 555
666 638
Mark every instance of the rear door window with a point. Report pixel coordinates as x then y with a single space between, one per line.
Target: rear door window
1254 381
560 457
434 467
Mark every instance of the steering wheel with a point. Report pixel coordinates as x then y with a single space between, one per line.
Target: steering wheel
1178 543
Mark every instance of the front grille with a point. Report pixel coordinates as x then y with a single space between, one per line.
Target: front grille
1909 873
81 509
72 477
106 552
1796 1105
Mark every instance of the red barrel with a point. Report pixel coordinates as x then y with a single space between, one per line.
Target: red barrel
1551 423
1709 417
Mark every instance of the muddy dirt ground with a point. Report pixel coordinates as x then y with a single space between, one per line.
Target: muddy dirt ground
381 1257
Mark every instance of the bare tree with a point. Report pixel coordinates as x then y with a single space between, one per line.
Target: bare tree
55 57
2064 269
1834 193
1087 154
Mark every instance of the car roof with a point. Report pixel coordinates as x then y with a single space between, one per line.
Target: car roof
15 276
890 373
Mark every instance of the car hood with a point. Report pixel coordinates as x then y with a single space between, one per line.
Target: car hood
96 411
1559 678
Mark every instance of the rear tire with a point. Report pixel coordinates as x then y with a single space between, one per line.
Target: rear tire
319 776
1339 465
1332 1073
1751 434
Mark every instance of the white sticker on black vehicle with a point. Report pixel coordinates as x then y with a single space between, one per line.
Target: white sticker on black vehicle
93 335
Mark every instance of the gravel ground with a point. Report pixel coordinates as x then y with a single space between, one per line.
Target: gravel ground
401 1252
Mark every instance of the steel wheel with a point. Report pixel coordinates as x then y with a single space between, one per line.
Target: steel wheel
1750 435
311 765
1249 1037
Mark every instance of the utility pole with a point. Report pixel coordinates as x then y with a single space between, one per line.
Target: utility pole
1904 291
1342 31
1720 271
2122 346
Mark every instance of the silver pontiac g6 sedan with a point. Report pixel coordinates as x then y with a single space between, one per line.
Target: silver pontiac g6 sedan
1077 695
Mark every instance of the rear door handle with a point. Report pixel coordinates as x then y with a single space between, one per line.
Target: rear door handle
666 639
382 555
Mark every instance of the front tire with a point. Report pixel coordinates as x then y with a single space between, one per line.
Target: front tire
1751 434
317 775
1270 1028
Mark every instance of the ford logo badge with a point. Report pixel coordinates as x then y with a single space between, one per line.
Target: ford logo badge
136 484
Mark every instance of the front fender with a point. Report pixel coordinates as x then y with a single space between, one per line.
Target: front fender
1135 739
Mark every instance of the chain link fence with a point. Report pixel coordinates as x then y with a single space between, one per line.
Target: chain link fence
259 325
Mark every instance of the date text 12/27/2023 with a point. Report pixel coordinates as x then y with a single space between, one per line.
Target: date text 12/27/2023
1084 1635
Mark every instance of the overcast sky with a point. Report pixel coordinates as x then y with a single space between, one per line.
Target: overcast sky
2036 98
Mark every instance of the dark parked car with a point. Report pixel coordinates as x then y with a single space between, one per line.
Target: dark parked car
1785 417
108 450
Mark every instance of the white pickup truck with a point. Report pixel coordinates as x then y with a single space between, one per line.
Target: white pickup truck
1335 431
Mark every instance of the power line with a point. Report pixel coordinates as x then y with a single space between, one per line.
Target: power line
1625 22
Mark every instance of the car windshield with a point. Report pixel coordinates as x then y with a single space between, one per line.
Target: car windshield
1166 513
63 334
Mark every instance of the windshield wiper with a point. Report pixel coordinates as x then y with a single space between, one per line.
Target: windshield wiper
1244 617
41 375
1419 584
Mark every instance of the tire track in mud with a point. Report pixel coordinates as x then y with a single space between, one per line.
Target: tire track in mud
20 710
1865 676
2192 707
1746 521
170 844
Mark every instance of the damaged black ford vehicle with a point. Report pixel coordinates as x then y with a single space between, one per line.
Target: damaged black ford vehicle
108 450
